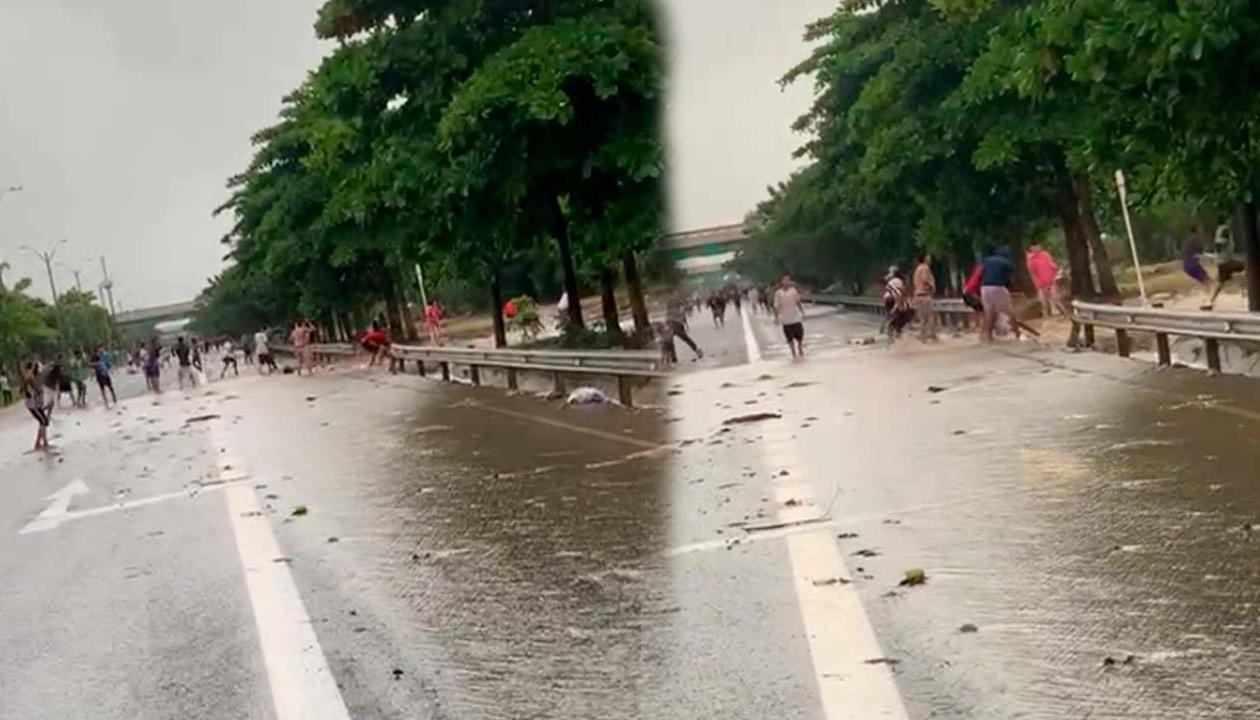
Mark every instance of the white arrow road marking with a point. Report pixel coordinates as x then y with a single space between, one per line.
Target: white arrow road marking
58 513
58 507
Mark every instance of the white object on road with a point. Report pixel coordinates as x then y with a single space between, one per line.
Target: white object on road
587 396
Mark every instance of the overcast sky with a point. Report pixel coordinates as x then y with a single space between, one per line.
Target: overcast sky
123 119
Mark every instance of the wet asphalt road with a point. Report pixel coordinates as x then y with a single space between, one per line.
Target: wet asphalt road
469 554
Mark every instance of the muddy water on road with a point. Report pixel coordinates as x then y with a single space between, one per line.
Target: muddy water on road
1092 518
533 552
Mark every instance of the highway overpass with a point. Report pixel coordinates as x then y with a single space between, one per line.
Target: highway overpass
706 250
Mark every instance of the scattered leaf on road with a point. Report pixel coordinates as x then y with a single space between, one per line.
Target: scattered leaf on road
914 576
299 511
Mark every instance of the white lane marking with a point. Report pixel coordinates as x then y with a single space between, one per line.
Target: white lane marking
629 440
58 507
48 522
841 639
302 686
750 340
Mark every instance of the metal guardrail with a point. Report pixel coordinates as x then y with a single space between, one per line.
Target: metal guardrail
952 309
625 366
1210 326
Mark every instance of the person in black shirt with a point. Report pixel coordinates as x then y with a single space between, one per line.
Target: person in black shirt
184 353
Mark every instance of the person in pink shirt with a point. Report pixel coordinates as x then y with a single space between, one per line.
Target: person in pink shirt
1045 276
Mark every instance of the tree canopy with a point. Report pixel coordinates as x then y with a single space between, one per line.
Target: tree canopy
947 125
467 135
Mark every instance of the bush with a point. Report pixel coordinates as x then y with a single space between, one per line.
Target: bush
526 321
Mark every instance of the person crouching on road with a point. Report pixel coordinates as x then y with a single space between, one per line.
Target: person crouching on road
896 302
376 342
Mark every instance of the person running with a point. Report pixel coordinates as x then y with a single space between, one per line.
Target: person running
997 272
433 316
717 305
1192 257
376 342
78 376
262 350
1045 276
196 359
791 314
924 285
183 353
33 397
301 339
676 319
229 360
57 379
153 367
101 369
1227 266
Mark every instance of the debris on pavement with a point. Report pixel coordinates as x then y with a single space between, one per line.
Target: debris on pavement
1110 661
298 511
914 576
968 628
882 661
398 673
846 536
753 417
587 396
936 389
826 582
200 418
791 502
334 539
867 553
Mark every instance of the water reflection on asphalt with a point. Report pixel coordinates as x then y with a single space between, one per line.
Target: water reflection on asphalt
532 552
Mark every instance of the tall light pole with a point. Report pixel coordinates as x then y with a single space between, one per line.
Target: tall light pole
3 192
47 256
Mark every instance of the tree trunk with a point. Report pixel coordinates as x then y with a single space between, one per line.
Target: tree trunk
408 321
496 309
560 226
391 309
634 285
1074 237
1251 249
608 299
1089 225
1023 279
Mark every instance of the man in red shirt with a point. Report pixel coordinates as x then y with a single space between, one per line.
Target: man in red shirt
433 322
376 342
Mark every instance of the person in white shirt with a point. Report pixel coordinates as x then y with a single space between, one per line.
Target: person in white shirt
791 314
262 350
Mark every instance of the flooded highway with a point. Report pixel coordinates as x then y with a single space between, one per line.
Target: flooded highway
1086 530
